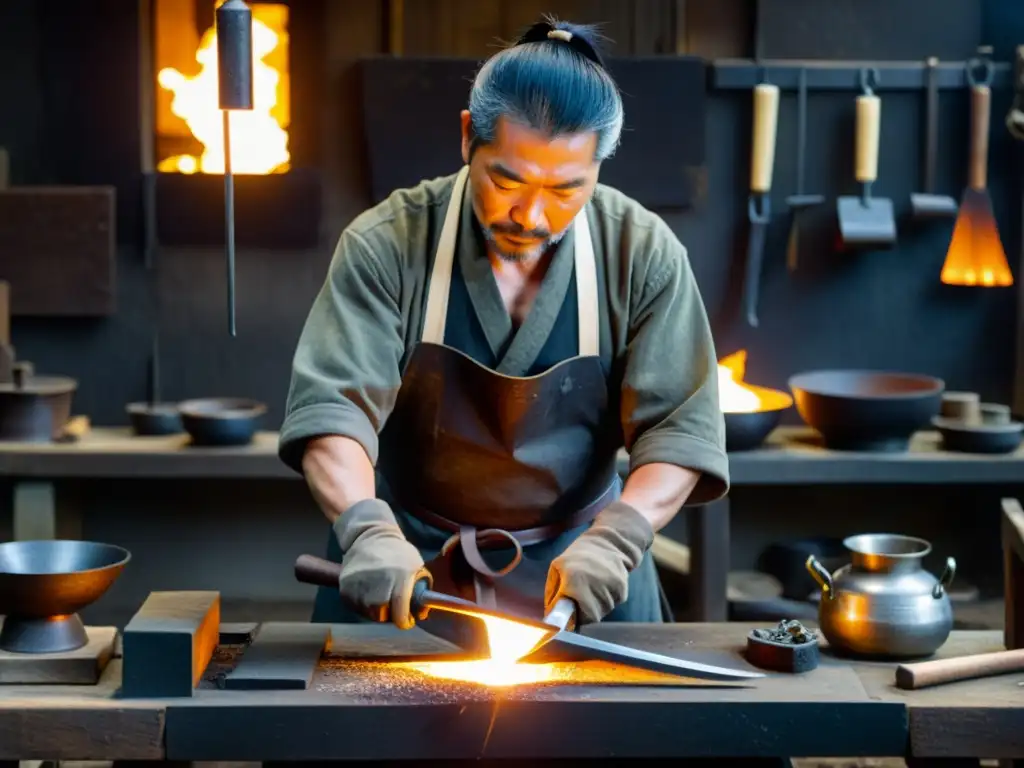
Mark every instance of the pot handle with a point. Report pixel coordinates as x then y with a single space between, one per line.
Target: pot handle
945 579
821 575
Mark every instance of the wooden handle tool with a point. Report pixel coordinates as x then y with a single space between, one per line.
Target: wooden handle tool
869 121
924 674
762 153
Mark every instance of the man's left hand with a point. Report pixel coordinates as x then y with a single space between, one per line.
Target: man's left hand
594 570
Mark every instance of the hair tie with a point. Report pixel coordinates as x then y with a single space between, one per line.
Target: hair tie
560 34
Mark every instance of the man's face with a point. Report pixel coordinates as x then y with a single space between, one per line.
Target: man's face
528 187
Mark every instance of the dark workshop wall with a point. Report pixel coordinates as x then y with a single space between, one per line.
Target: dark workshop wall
69 114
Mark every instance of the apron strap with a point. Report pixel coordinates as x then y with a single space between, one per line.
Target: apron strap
436 313
586 287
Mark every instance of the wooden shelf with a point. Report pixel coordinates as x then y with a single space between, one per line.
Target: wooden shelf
790 457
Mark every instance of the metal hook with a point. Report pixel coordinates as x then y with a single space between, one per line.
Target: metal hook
982 62
869 80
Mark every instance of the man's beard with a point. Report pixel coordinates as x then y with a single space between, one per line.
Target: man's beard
545 240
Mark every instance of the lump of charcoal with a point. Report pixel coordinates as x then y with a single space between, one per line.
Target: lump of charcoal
786 633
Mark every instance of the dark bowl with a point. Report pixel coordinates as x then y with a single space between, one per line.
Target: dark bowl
747 431
40 579
979 438
867 410
149 419
221 421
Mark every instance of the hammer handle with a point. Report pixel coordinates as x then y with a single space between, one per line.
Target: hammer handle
910 677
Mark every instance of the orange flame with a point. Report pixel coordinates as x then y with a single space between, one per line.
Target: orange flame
735 396
259 139
976 256
508 642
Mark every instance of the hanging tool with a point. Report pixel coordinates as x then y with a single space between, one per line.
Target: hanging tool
551 637
976 256
866 221
762 164
927 204
800 201
235 92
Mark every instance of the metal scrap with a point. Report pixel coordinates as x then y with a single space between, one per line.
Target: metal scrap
788 632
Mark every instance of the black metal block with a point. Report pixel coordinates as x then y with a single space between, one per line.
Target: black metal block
276 211
168 644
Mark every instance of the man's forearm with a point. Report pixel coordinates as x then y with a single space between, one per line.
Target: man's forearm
658 491
339 474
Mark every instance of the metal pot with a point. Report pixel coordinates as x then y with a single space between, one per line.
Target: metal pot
35 409
884 604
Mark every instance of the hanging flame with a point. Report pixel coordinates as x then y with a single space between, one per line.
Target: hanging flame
735 396
259 139
508 641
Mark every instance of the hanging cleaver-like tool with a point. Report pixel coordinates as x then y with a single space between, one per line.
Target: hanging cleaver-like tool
762 164
551 638
235 92
800 201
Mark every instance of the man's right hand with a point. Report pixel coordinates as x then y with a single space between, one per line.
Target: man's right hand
379 566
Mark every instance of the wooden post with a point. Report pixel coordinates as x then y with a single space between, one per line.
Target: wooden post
1013 572
708 528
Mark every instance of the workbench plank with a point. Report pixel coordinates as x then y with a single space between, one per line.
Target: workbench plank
975 718
74 722
791 456
822 713
283 656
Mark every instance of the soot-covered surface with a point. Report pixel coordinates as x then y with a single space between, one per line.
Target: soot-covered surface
399 681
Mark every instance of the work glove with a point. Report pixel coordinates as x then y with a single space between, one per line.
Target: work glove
379 566
594 570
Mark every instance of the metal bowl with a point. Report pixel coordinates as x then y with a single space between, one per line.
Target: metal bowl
221 421
151 419
867 410
747 430
43 585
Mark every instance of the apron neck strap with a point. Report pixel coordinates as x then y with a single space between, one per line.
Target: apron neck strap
436 313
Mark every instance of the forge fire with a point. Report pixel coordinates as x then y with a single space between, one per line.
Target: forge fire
189 126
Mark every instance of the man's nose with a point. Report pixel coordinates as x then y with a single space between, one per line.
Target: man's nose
529 213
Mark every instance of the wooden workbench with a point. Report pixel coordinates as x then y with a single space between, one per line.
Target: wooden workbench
790 457
840 709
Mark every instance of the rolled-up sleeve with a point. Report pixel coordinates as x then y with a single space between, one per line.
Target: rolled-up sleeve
346 369
670 405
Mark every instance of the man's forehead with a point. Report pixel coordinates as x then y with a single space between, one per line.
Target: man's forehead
523 154
511 133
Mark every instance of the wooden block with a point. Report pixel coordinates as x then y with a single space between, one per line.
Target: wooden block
282 657
169 642
80 667
58 250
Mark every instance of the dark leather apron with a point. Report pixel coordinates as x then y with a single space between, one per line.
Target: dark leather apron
504 465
